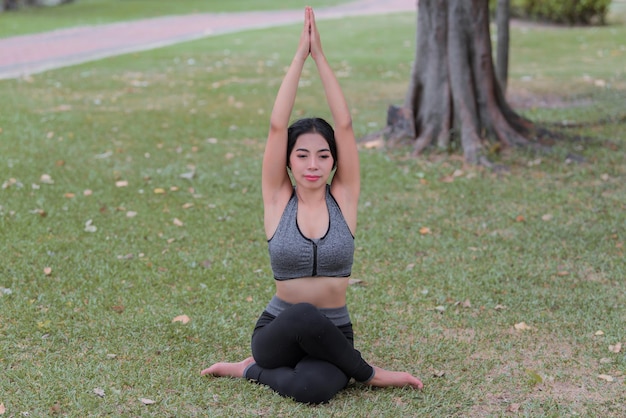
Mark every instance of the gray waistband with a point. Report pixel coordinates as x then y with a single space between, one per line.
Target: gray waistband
338 316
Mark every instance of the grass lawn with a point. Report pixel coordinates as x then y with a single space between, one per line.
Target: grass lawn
130 195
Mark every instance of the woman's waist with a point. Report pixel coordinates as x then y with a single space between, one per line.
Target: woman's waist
322 292
338 316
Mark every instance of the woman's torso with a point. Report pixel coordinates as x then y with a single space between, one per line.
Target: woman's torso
314 268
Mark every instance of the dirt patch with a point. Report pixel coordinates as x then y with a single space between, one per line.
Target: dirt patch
544 371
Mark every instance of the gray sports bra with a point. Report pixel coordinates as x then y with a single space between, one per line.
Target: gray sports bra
292 255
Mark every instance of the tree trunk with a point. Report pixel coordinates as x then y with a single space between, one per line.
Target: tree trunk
503 15
453 93
10 4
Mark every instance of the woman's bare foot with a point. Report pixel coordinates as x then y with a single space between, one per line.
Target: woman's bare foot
228 369
386 378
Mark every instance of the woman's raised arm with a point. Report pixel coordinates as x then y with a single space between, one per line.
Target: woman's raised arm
346 181
275 179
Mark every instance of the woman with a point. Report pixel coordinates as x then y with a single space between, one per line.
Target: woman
302 345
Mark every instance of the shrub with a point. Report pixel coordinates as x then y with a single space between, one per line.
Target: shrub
569 12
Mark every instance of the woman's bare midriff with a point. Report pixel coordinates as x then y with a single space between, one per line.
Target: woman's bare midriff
323 292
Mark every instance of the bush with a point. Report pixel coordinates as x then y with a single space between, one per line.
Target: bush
569 12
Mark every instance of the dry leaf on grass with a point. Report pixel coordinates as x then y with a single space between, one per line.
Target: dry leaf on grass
606 377
182 318
39 212
90 227
118 308
14 182
188 175
55 409
514 407
522 326
99 392
121 183
103 155
46 179
178 222
399 402
47 271
425 230
147 401
615 348
2 409
465 304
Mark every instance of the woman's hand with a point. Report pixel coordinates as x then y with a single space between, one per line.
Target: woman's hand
304 47
316 43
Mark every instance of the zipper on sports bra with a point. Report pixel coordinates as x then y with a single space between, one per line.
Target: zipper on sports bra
314 260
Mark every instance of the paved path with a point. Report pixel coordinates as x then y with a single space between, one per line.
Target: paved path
30 54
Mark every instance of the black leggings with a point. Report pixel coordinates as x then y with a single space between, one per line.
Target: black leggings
301 354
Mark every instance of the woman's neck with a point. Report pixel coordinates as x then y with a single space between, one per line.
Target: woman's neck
311 196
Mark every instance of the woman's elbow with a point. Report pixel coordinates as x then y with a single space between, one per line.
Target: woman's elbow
344 124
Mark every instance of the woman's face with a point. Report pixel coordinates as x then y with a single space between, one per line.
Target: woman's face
310 161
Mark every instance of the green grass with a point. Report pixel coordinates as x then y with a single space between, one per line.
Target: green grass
541 244
91 12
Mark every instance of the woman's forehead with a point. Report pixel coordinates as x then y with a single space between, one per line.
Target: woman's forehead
311 141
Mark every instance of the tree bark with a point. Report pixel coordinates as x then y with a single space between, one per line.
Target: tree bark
453 93
10 4
503 15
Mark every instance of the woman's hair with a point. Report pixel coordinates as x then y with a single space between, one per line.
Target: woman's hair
312 125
